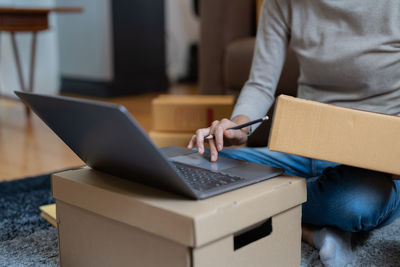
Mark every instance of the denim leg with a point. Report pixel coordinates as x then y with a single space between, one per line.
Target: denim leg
292 164
396 208
351 199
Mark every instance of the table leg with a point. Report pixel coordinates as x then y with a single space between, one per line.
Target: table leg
17 61
33 58
32 67
19 67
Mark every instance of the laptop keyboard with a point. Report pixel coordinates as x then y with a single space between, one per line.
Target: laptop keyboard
203 179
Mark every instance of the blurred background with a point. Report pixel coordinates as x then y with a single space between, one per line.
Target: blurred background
124 52
110 48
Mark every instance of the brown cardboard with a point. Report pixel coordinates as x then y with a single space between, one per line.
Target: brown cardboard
163 139
48 212
107 221
88 239
347 136
187 113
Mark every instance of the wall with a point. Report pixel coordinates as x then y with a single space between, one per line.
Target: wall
47 71
57 54
93 31
182 29
85 40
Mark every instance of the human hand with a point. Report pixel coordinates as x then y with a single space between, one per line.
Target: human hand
223 136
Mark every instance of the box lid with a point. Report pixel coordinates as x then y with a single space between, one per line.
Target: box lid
188 222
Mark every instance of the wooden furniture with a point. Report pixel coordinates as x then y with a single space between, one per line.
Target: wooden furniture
32 20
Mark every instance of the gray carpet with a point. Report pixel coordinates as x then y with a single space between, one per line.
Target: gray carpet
28 240
380 248
25 238
38 249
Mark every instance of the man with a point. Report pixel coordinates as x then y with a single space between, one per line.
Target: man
349 55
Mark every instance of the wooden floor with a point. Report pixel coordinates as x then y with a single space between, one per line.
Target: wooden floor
28 147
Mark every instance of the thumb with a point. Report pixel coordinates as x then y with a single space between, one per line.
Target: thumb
234 134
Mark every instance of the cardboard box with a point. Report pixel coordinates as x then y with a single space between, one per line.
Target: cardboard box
107 221
48 212
180 113
163 139
347 136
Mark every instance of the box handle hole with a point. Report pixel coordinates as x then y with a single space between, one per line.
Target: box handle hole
252 234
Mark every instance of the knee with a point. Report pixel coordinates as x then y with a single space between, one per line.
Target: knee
363 213
354 199
367 206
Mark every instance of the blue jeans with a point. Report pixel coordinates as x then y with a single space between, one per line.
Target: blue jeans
349 198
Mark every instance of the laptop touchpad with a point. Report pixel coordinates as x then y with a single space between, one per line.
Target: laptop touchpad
203 161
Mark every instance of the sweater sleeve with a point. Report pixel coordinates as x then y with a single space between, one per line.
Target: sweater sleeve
272 40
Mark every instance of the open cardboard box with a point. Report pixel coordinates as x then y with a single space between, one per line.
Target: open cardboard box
107 221
347 136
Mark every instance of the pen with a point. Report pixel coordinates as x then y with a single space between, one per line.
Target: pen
212 136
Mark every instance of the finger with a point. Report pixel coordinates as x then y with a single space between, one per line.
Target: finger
214 123
200 134
219 137
212 127
213 150
191 142
219 132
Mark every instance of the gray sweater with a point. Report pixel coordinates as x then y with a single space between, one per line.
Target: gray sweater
348 51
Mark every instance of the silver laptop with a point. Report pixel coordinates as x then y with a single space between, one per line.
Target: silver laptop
108 139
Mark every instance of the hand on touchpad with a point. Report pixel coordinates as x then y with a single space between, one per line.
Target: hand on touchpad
203 161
